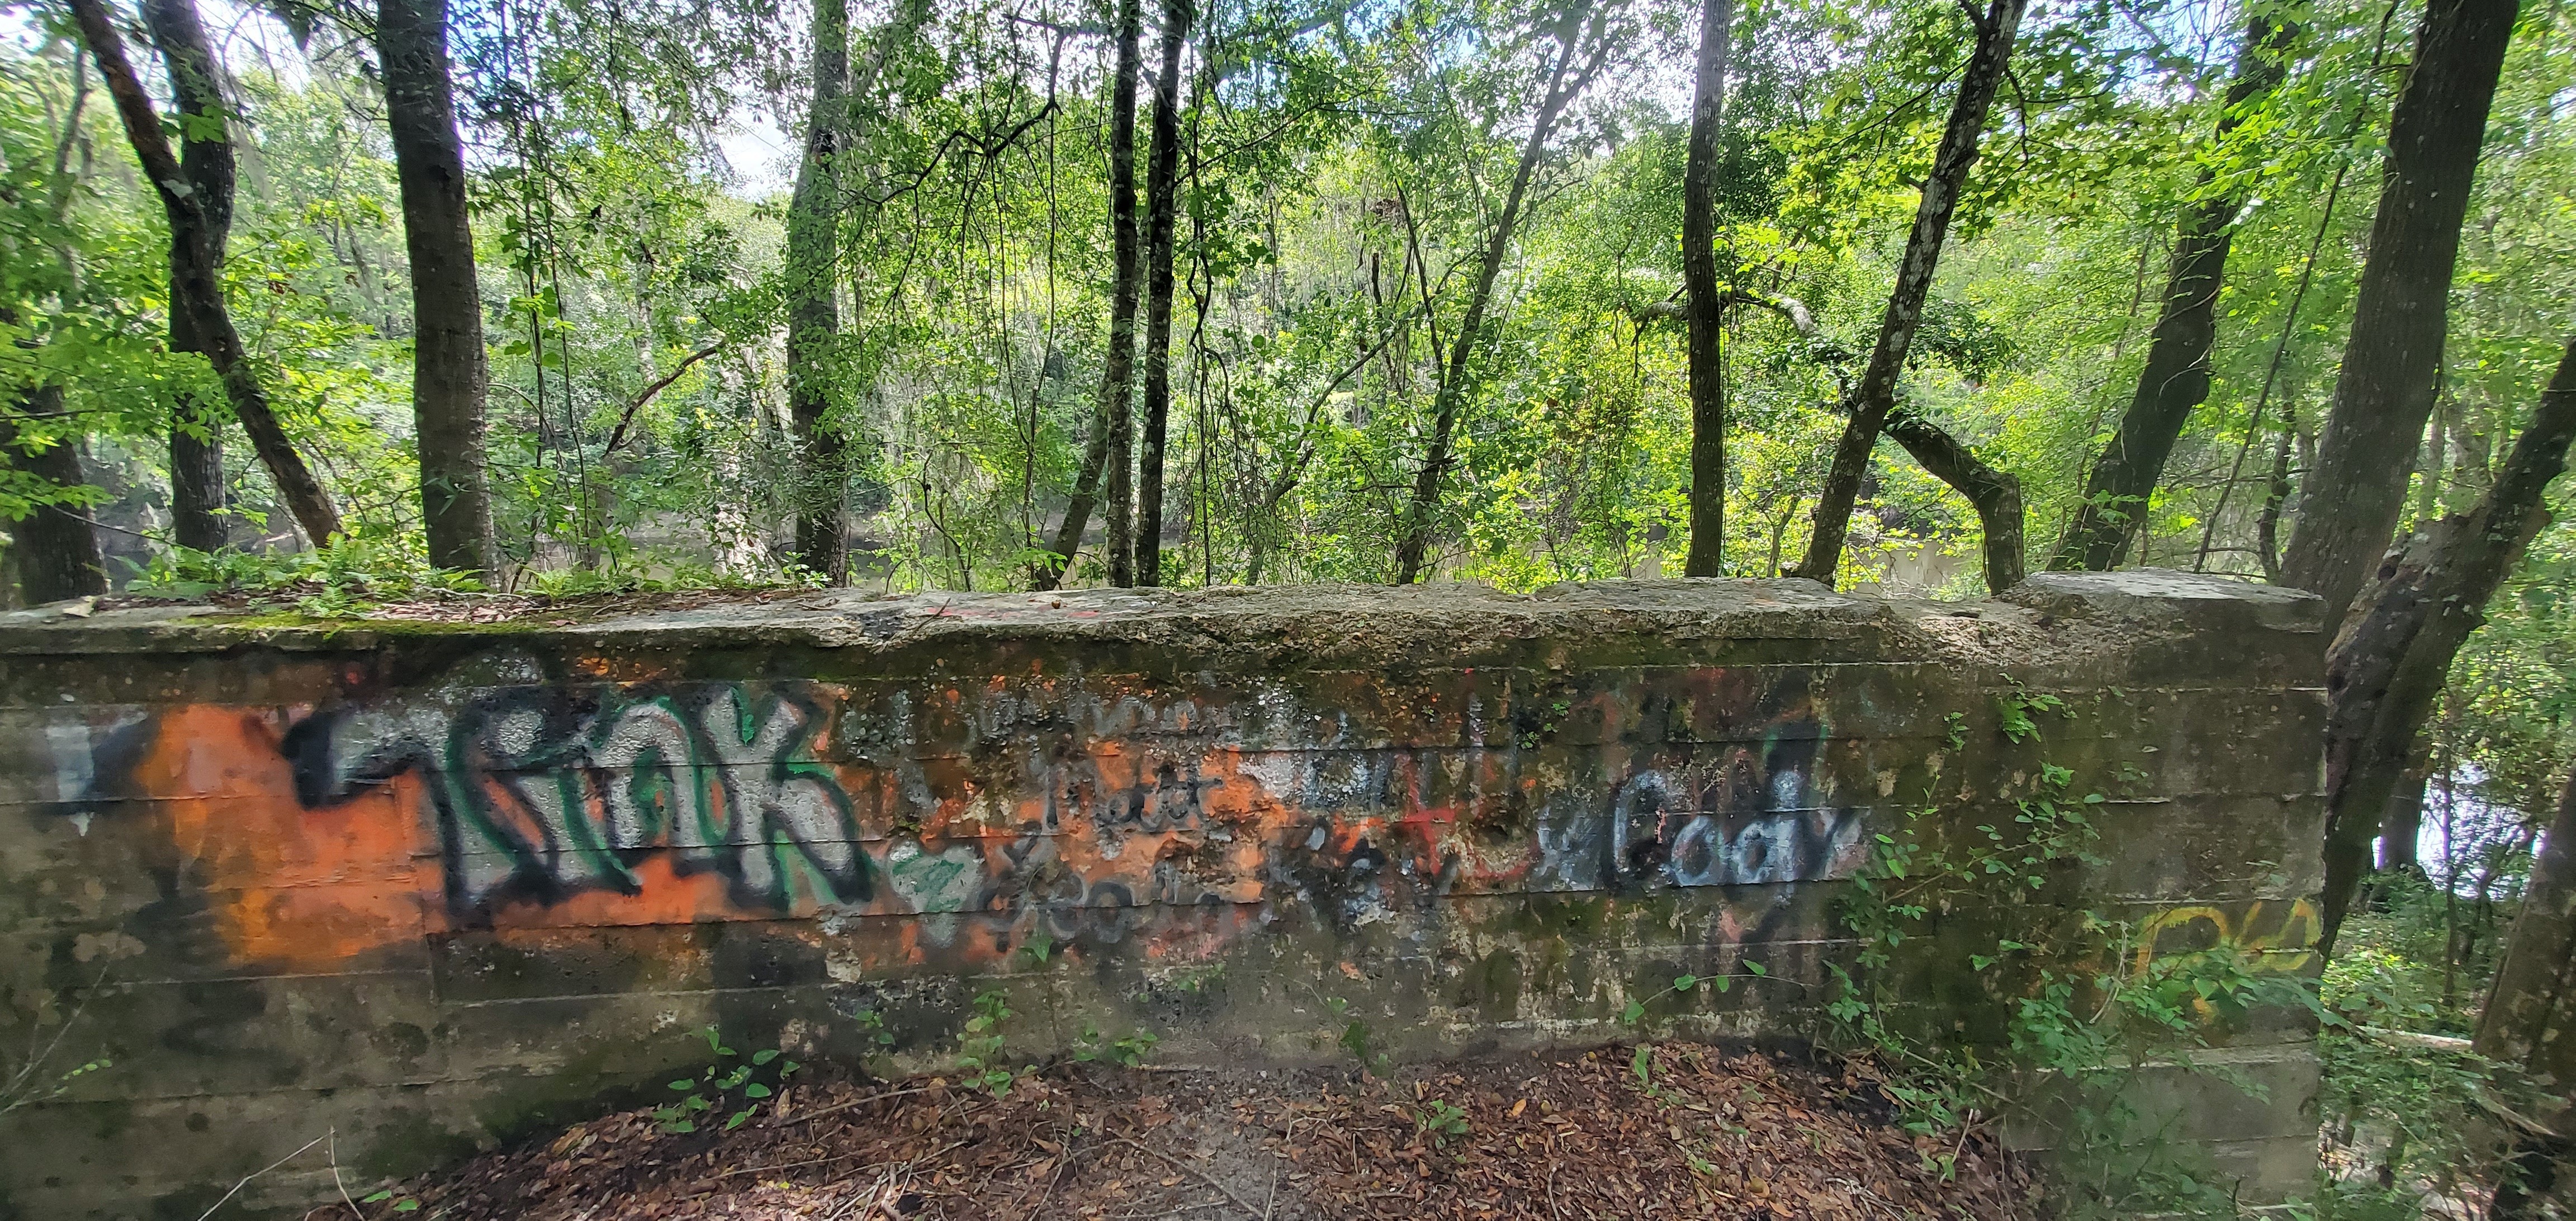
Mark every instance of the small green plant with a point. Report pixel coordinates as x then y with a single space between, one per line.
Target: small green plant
980 1046
25 1090
1635 1013
1129 1050
2013 712
1441 1120
729 1083
1038 949
1355 1036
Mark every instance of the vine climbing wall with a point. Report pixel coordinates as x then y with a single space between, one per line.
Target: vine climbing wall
421 885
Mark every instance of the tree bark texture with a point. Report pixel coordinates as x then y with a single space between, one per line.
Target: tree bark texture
1162 205
1106 460
2175 380
1876 395
2530 1013
449 375
196 282
813 303
2386 668
206 161
57 550
2384 391
1706 305
1414 545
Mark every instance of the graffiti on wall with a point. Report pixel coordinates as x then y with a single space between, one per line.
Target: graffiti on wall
536 793
1089 810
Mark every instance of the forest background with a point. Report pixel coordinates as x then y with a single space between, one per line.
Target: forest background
580 296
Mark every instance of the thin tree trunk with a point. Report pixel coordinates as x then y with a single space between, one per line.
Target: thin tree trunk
2276 493
1162 199
1877 393
449 375
2402 823
1106 459
1995 495
196 283
1707 308
813 304
56 550
2176 378
1415 544
2357 488
2388 665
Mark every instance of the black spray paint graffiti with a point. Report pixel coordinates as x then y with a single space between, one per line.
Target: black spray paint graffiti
542 792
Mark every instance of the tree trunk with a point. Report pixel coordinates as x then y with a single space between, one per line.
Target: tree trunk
1162 199
206 159
2357 489
1106 459
57 551
1415 544
2402 823
1995 495
449 375
1877 393
197 219
2276 492
2176 377
813 304
1707 307
2530 1014
2388 665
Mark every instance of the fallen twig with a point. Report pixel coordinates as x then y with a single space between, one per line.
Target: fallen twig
1203 1175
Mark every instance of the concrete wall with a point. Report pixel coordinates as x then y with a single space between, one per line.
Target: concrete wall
426 886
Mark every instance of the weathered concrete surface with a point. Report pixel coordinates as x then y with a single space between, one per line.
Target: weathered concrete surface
423 886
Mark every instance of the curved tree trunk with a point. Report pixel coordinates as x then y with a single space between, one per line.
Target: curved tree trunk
1107 457
449 375
2387 667
1162 201
1414 546
2176 378
1706 306
1876 395
197 220
2351 500
1995 495
813 304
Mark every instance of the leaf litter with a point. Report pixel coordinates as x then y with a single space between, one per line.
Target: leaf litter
1702 1132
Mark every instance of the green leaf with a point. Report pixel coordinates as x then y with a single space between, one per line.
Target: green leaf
1634 1013
378 1198
1756 968
738 1117
755 1090
684 1084
1684 983
407 1206
763 1057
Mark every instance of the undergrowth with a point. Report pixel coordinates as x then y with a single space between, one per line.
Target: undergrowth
2094 1019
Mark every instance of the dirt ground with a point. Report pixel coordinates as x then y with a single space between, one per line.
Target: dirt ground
1705 1133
